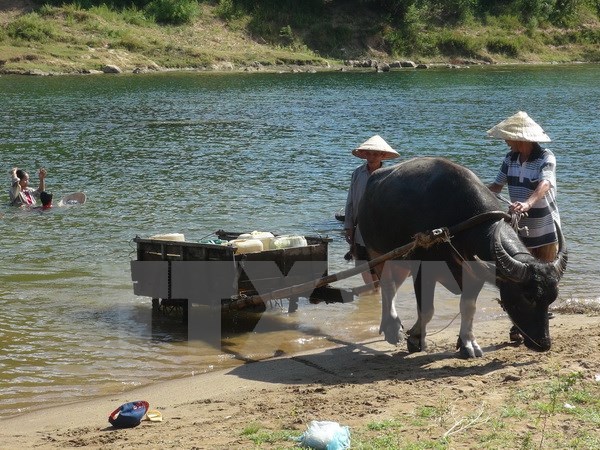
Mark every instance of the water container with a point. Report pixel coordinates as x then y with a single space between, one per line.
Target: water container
265 237
289 241
177 237
247 245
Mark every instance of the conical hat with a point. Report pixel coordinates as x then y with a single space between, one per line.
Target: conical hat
375 144
519 127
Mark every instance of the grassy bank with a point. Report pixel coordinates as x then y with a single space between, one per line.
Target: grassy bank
226 35
69 39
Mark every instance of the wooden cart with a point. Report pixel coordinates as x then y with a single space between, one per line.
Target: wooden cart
158 282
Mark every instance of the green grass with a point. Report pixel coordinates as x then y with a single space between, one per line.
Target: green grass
532 417
512 412
389 424
187 33
87 39
32 28
259 436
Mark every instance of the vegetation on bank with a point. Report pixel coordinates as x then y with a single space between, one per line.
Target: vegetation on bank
531 418
78 36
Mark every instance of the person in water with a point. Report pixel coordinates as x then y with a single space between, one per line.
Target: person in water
20 193
374 151
46 199
529 170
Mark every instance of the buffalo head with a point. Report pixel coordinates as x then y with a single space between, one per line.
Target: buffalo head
527 288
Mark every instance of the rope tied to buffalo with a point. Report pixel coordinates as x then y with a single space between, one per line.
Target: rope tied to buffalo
428 239
422 239
515 217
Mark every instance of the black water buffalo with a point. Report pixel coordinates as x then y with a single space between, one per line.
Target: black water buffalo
429 193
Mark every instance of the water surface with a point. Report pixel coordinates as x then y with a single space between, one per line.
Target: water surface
193 153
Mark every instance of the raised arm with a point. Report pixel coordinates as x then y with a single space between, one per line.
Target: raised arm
42 175
15 187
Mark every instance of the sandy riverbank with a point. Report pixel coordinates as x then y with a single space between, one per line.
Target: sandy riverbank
370 387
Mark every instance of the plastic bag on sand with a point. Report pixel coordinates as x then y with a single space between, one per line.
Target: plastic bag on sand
324 435
128 415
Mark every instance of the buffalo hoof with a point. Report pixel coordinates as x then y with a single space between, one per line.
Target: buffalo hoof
392 330
515 335
413 343
470 349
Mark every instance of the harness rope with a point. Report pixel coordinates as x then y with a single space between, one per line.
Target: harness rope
515 217
425 239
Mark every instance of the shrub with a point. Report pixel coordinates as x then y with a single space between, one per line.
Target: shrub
47 10
532 27
564 12
460 10
451 44
590 35
592 54
330 40
408 38
586 36
131 42
31 27
535 9
286 36
173 12
105 12
226 10
87 4
504 21
503 46
134 16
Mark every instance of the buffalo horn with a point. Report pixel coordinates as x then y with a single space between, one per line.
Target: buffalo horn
561 260
509 266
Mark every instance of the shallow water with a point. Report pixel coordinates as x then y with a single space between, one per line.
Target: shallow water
193 153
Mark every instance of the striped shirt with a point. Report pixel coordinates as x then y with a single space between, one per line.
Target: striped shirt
522 180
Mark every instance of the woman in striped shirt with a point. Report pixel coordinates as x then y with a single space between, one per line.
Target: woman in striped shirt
530 172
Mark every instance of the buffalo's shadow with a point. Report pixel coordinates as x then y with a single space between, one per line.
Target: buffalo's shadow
361 363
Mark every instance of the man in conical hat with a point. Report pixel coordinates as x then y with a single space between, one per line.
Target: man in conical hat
374 151
530 172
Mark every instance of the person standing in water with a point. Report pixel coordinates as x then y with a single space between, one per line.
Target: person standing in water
529 170
530 173
374 151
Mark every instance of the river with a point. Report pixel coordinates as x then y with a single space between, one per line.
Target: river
195 152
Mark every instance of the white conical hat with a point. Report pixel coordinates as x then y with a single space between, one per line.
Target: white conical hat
519 127
375 144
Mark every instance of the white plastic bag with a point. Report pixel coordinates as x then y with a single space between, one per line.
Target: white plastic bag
324 435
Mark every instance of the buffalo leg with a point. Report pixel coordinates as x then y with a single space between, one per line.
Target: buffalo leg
466 342
424 293
392 274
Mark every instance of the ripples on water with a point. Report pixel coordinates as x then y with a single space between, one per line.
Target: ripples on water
193 153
